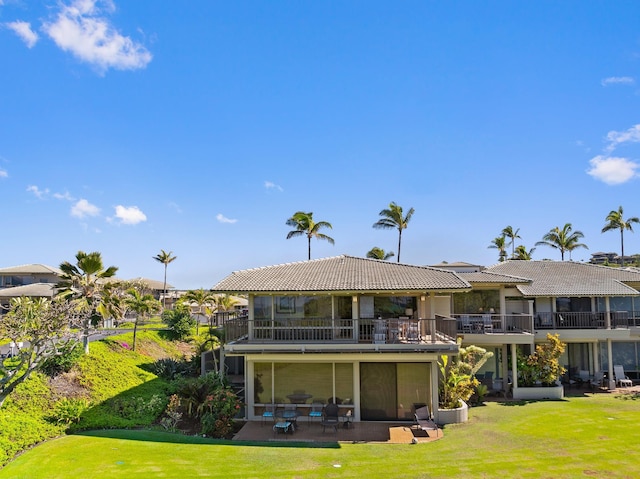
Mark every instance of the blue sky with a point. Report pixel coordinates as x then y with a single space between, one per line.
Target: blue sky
199 127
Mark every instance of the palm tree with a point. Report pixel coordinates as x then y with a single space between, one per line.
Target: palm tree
616 221
563 239
305 226
521 253
392 217
379 253
142 305
500 243
202 299
84 283
164 258
508 232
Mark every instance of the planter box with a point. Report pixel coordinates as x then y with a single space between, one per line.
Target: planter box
453 416
539 392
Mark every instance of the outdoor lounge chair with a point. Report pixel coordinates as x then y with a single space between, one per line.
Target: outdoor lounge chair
466 323
316 411
269 412
622 379
487 323
425 421
597 380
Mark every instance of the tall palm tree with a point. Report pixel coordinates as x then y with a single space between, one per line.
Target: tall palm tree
164 258
305 226
202 299
500 243
508 232
142 305
616 221
84 283
392 218
521 253
564 239
379 253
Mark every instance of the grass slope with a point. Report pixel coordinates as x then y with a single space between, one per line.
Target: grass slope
117 381
593 436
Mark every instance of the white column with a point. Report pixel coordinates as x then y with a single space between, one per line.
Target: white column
435 400
514 367
612 381
607 314
356 391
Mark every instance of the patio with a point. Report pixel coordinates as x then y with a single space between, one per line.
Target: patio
359 432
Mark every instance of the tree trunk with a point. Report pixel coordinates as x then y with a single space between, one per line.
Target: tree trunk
135 331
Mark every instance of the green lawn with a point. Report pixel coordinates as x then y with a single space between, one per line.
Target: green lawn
594 436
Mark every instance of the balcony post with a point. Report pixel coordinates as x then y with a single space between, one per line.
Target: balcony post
607 314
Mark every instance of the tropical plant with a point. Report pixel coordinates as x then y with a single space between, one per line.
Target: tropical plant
165 258
457 375
141 304
179 321
225 302
204 300
379 253
543 365
83 284
508 232
220 407
305 226
67 356
521 253
394 218
565 239
500 243
38 329
615 221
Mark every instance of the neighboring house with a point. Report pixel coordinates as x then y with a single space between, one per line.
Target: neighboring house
28 274
459 267
365 332
594 309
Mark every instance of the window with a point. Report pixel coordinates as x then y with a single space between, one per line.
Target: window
475 302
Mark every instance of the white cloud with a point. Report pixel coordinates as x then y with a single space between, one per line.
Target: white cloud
37 192
272 186
63 196
24 31
80 29
130 215
83 208
175 207
612 170
617 81
223 219
615 138
3 173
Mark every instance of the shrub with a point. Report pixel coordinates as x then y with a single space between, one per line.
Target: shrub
179 321
170 369
543 365
220 409
69 410
68 357
172 414
139 408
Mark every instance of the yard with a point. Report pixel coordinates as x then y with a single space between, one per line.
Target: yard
589 435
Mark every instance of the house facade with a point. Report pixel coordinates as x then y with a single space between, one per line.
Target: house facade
369 333
364 332
594 309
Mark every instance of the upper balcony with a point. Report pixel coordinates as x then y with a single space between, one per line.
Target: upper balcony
345 334
585 320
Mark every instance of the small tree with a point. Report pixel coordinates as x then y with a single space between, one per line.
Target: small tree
39 329
143 305
543 365
179 321
458 382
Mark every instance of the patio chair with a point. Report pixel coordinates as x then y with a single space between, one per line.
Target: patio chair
269 412
330 417
597 379
283 426
622 379
465 322
316 411
425 421
487 323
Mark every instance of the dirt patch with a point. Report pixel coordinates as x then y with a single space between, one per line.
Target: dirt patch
66 385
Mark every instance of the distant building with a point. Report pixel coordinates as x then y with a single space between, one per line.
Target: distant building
459 267
614 258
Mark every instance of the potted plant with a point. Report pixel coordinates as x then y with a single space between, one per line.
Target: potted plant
540 371
458 382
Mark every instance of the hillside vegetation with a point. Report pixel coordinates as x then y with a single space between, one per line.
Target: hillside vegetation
112 387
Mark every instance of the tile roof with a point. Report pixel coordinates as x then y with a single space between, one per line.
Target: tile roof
491 277
31 269
568 278
341 273
35 290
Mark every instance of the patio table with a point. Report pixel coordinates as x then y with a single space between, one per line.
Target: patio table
299 398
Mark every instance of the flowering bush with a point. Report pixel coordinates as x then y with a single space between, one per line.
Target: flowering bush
220 408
